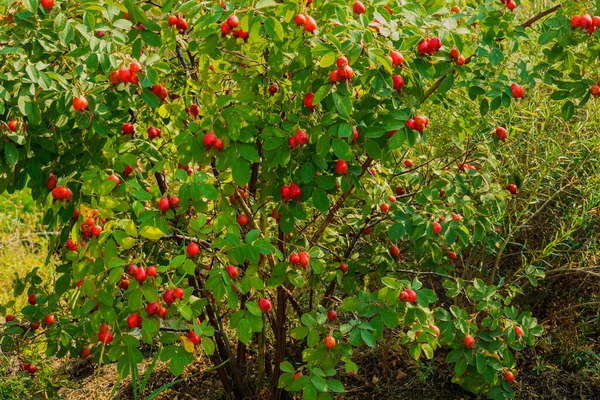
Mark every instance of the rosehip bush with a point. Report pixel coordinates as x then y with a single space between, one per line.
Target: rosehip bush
247 177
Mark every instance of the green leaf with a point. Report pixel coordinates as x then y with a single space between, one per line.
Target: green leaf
335 386
244 331
568 110
342 103
151 232
150 98
320 199
241 172
341 149
248 152
151 38
265 3
274 29
11 153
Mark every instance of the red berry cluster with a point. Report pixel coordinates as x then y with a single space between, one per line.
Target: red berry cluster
153 133
299 139
71 245
165 203
104 334
418 123
308 22
429 46
211 140
408 295
186 168
290 192
180 23
61 193
229 26
169 296
586 22
160 91
126 75
464 166
458 59
89 228
510 4
302 259
343 71
155 308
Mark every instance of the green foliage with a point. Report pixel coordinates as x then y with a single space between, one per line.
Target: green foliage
113 216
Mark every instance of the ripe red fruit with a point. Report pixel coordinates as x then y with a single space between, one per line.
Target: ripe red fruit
596 21
172 20
47 4
194 337
517 91
105 337
85 352
397 82
423 48
174 201
341 62
511 5
31 299
134 320
153 132
32 368
300 19
575 21
193 249
273 89
408 163
456 217
452 255
218 144
242 220
331 315
294 258
310 24
334 76
303 259
397 58
586 21
301 137
233 21
512 188
435 329
164 205
264 304
329 342
96 230
127 128
394 251
595 90
49 320
285 192
518 331
51 181
162 312
182 24
140 275
384 207
455 9
12 125
509 377
354 134
80 103
454 53
178 293
9 317
209 139
232 271
412 296
296 376
168 296
501 133
437 228
358 8
35 325
460 61
295 191
469 341
152 308
341 167
125 74
132 269
308 100
343 267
